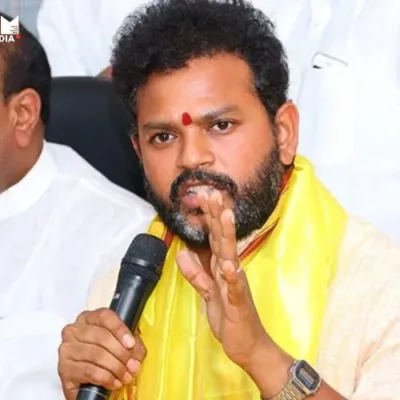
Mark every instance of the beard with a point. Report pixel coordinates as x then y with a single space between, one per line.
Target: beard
253 202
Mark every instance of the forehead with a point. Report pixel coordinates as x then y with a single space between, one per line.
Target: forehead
204 83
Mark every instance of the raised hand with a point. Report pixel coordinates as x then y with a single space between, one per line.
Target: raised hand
231 312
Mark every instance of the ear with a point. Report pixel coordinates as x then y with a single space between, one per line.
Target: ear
136 146
287 124
25 115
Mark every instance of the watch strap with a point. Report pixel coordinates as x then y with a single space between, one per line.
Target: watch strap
303 382
290 392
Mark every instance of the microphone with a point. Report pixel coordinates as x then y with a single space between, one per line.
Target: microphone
140 271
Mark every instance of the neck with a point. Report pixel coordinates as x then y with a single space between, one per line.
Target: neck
21 165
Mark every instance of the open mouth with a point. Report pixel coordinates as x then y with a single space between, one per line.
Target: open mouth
189 193
197 188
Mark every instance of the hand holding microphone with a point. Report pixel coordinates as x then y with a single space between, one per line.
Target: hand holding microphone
99 348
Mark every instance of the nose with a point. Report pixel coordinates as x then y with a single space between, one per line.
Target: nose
195 151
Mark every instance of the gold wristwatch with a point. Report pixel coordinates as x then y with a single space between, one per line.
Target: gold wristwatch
304 382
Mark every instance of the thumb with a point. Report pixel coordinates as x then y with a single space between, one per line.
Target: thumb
70 391
195 274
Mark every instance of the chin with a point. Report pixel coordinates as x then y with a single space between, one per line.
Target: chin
191 229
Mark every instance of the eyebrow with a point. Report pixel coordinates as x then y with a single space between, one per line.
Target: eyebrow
207 117
214 114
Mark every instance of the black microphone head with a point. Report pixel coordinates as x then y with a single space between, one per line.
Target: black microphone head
145 256
149 248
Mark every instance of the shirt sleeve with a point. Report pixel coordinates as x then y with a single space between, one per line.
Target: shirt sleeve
380 374
29 356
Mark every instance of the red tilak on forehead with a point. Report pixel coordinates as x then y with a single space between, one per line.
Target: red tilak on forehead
186 119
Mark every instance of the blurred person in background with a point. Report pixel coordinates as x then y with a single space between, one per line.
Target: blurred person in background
77 34
344 58
26 10
61 224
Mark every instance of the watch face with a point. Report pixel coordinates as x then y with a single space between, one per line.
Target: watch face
307 376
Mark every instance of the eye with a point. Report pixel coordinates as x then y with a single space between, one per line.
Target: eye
161 137
222 126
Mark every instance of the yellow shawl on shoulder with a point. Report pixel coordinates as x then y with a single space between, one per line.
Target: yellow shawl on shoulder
289 272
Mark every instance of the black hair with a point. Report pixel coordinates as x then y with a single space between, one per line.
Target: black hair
26 67
166 34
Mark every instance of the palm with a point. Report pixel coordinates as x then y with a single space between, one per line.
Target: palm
231 313
228 321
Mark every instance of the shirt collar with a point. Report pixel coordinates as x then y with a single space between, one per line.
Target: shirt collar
30 188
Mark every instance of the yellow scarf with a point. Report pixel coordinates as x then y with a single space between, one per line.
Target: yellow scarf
289 275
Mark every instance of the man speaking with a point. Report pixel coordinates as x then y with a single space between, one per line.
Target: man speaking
269 288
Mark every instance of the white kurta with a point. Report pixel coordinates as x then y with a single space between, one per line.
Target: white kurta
61 226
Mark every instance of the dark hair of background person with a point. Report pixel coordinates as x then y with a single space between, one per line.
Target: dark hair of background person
167 34
26 67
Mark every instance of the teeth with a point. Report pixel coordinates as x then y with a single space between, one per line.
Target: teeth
196 190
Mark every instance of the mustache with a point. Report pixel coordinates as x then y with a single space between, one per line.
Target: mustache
203 177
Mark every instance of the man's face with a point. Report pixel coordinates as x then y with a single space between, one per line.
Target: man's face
203 128
20 132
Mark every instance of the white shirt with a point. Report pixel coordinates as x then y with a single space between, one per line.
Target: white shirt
77 34
349 106
61 226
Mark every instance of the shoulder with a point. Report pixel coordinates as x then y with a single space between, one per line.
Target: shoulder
368 254
74 168
89 196
365 288
362 320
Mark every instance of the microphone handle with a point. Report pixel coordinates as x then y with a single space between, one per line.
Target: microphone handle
128 303
92 392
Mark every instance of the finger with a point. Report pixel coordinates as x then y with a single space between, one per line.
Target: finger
215 233
215 205
70 394
228 250
196 275
236 283
139 353
80 373
203 200
70 389
103 339
68 333
97 356
204 205
108 319
214 267
139 350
